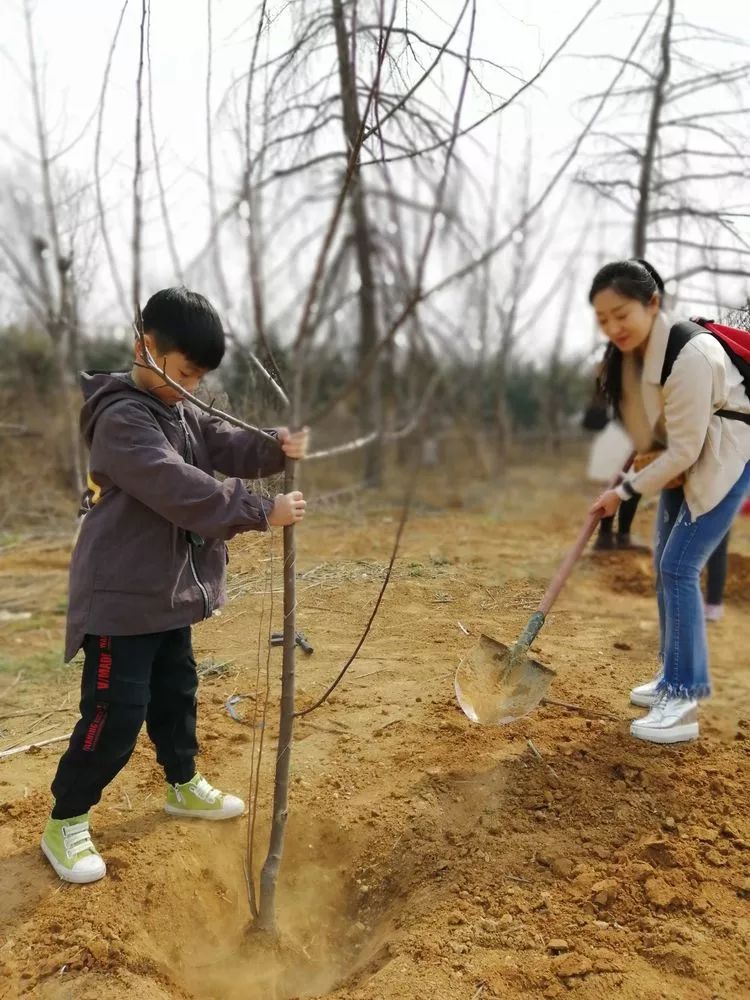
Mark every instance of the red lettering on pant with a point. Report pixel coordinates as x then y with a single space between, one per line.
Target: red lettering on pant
94 731
104 666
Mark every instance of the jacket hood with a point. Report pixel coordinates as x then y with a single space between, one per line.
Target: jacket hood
101 389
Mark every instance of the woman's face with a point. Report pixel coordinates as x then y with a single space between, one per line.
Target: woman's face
626 322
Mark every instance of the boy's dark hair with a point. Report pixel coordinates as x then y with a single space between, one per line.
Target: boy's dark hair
633 279
181 320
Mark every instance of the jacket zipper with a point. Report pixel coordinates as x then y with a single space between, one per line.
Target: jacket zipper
196 577
187 455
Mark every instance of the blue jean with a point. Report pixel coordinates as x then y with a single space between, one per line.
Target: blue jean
682 548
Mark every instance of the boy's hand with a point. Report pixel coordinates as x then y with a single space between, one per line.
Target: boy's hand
294 445
605 505
288 508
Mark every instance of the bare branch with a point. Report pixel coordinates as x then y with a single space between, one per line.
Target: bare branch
388 436
521 90
138 169
386 580
169 232
419 295
113 268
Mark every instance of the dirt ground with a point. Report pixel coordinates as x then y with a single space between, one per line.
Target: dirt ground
427 858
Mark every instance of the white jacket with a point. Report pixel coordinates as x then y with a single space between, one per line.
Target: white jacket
711 450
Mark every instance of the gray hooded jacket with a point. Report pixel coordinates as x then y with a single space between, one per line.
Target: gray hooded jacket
150 554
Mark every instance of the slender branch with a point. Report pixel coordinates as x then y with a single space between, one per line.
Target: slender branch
388 436
169 232
420 296
351 166
396 545
149 363
521 90
427 73
138 170
729 272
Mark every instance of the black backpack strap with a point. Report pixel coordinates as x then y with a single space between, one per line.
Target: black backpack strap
679 335
733 415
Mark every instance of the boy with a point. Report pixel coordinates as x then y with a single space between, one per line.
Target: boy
150 560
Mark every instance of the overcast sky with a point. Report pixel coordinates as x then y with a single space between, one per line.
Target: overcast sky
73 38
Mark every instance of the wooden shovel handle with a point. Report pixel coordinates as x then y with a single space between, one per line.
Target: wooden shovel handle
574 555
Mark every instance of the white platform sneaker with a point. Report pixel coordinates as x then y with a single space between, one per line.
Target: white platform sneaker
671 720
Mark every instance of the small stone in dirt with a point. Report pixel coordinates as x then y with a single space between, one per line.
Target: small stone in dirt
623 645
704 835
716 859
605 892
566 966
660 894
455 919
730 831
562 867
558 945
661 852
506 920
99 949
744 889
669 823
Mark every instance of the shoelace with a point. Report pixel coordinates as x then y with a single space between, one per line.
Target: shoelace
202 790
77 839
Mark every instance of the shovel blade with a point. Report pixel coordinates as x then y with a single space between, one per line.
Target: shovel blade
497 684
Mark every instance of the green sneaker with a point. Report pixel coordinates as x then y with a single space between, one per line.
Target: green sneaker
66 844
199 800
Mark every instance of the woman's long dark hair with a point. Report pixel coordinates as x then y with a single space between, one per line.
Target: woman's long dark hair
633 279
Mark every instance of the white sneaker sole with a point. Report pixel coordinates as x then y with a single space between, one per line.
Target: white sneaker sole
642 700
211 814
79 878
675 734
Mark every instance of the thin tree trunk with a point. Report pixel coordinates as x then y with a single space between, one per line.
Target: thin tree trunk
70 420
554 401
269 875
371 404
502 415
645 182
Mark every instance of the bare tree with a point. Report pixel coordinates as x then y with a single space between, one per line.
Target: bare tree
673 151
43 263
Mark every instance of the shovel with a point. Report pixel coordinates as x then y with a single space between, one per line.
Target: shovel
497 684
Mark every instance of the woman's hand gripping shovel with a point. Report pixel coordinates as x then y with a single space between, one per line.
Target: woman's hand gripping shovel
496 684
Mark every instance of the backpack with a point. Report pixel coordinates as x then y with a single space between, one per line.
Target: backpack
735 342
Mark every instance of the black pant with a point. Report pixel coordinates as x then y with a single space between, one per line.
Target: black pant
128 679
716 572
625 514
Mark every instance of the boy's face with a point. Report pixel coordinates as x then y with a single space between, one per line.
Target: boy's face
174 364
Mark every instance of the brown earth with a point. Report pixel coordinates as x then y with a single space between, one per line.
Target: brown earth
426 857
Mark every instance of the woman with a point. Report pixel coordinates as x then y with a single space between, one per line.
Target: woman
709 456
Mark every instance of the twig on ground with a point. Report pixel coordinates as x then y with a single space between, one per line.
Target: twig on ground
588 712
530 745
32 711
34 746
